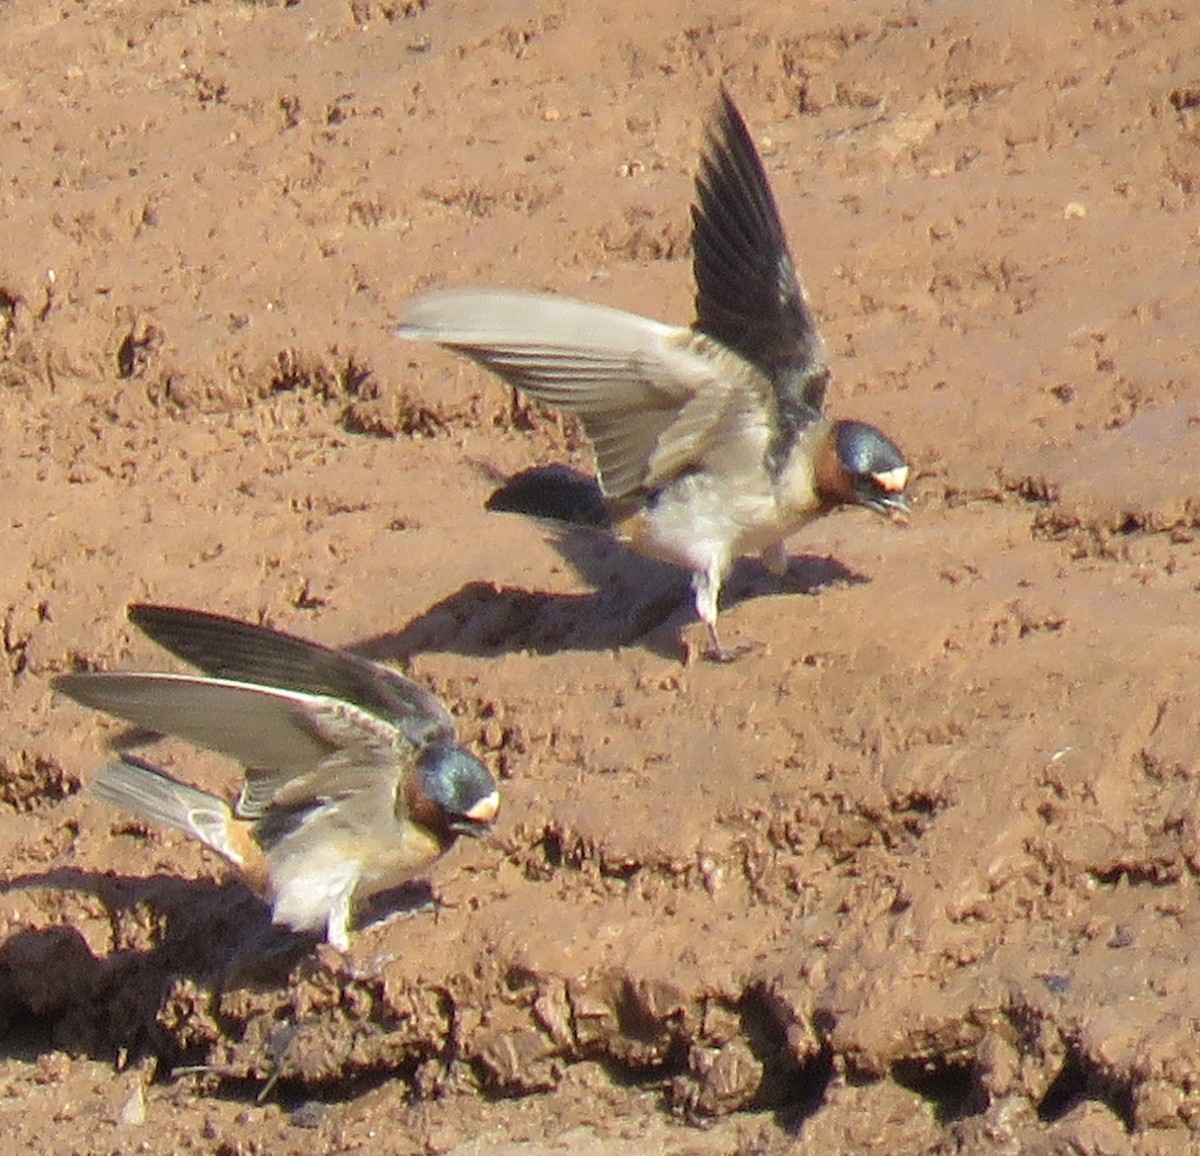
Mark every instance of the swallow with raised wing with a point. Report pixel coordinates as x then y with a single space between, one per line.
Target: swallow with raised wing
710 440
354 781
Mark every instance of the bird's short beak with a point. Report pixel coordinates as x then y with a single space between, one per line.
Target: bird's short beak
894 507
474 830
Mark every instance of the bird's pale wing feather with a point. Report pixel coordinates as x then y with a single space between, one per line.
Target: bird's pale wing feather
626 377
723 428
370 756
294 746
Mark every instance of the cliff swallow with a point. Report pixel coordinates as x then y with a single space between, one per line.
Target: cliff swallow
710 441
354 780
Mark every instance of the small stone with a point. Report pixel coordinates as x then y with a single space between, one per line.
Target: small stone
311 1114
133 1111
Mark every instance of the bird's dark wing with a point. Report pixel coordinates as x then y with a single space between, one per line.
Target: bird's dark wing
748 296
226 648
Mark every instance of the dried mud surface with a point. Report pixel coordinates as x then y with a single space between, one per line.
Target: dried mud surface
916 875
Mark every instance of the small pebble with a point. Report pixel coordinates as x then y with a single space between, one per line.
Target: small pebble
310 1114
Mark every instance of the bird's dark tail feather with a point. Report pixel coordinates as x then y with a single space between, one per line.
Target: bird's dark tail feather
553 493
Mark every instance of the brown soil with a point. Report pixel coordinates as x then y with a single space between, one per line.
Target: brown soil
919 874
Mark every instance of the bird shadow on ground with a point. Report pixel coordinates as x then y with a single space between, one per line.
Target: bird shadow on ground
60 990
148 954
635 601
218 931
202 928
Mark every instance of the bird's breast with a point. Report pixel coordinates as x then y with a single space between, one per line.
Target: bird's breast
353 837
705 519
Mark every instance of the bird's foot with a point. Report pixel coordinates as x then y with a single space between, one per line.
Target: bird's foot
715 651
730 653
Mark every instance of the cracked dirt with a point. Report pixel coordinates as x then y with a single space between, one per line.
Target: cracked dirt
916 875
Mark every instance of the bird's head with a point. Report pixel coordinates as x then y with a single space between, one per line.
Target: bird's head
858 465
458 789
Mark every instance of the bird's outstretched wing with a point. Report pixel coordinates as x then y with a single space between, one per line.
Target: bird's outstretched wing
227 648
627 378
298 749
748 296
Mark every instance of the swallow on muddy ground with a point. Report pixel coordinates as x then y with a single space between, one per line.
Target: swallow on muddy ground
710 440
354 780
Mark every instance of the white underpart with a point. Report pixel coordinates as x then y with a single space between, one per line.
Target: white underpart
314 889
893 481
695 525
704 523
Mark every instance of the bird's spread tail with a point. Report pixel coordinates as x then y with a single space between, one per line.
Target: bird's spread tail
554 493
137 786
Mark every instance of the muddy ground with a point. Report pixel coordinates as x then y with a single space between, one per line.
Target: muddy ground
918 874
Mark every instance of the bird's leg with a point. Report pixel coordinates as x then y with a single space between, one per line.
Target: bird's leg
775 559
337 922
336 932
409 899
707 587
718 653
